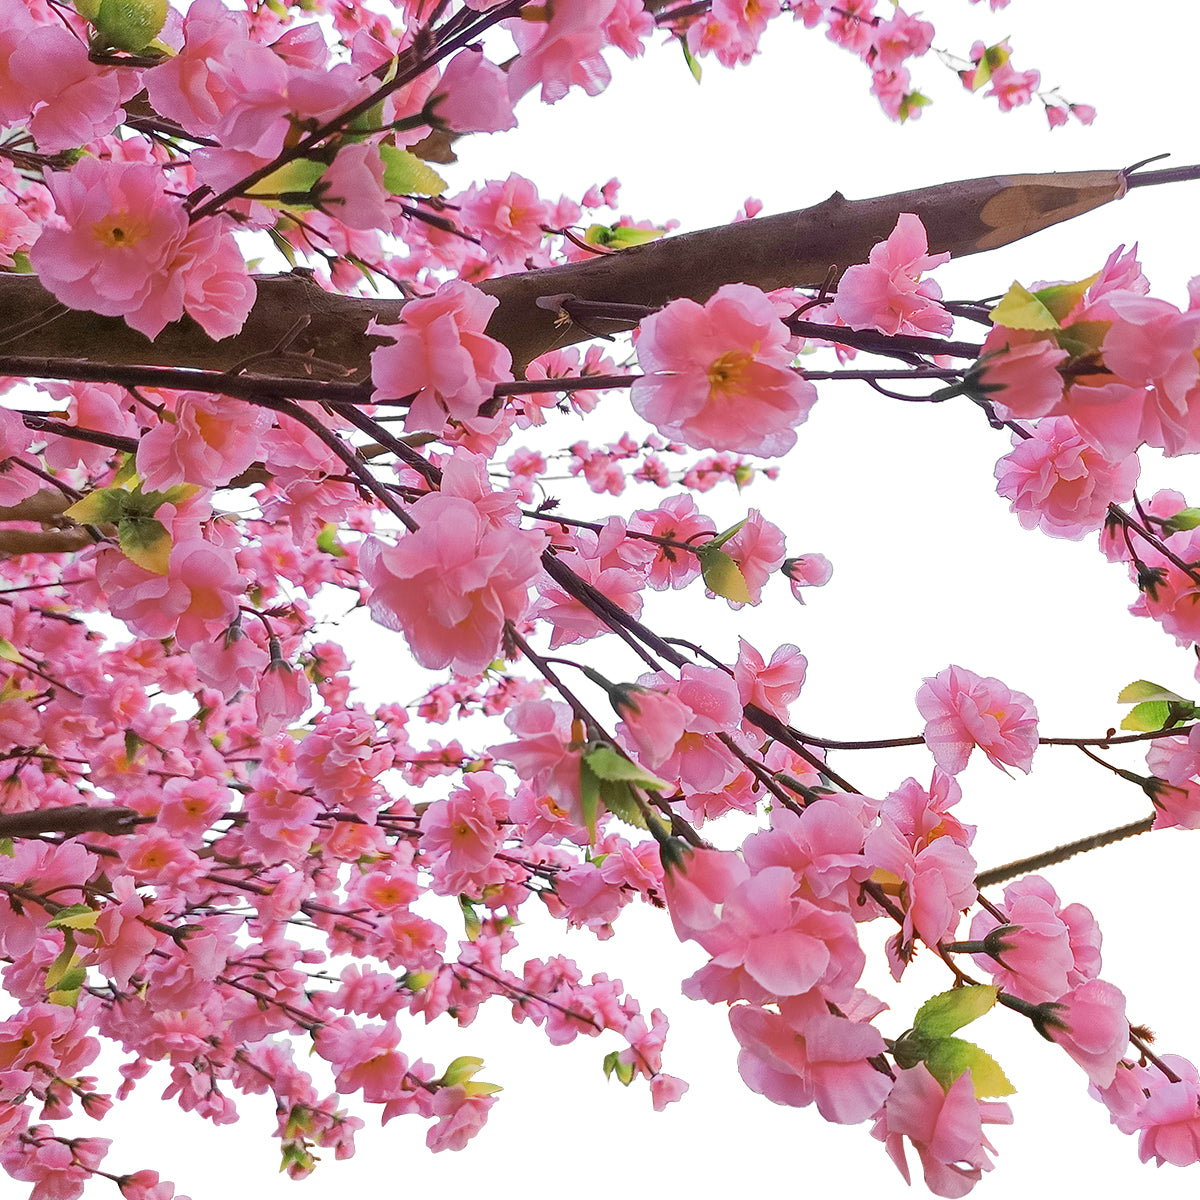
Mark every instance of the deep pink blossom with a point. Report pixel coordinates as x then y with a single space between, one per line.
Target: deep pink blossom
1094 1029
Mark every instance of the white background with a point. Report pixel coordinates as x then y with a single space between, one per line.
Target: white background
930 569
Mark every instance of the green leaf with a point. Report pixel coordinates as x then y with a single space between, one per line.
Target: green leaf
9 652
405 174
1143 689
589 798
609 763
460 1070
7 849
948 1058
104 506
619 799
1185 518
1060 298
911 103
617 237
1021 309
610 1063
291 186
60 968
614 1066
722 575
944 1013
1147 717
74 916
146 542
470 918
327 541
1083 338
688 58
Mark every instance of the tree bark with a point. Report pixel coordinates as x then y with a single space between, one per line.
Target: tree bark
306 332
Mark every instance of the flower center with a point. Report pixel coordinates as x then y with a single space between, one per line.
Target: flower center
121 229
725 374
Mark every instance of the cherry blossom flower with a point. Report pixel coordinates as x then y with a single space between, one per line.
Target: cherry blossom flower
888 293
963 710
719 375
1058 482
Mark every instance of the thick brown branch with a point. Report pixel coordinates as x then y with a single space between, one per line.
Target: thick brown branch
791 249
71 819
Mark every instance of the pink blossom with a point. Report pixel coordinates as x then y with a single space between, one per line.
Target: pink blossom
803 1054
508 215
768 943
441 353
1050 950
719 375
758 550
653 721
888 293
85 100
473 95
945 1128
115 244
807 570
1094 1029
1018 371
561 51
1055 480
283 697
772 687
1169 1118
679 519
211 439
963 710
450 585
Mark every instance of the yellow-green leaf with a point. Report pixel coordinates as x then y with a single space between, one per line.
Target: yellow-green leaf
460 1070
9 652
146 542
1060 298
942 1014
75 916
1143 689
291 186
1147 717
690 59
327 541
405 174
610 764
101 507
617 237
1021 309
722 575
950 1057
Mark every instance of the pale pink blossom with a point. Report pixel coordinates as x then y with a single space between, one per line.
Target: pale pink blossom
719 375
508 214
679 519
758 549
653 721
1169 1118
963 710
560 51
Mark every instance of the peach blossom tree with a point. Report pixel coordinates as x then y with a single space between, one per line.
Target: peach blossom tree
258 360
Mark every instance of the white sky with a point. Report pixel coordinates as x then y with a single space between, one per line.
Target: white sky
930 569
